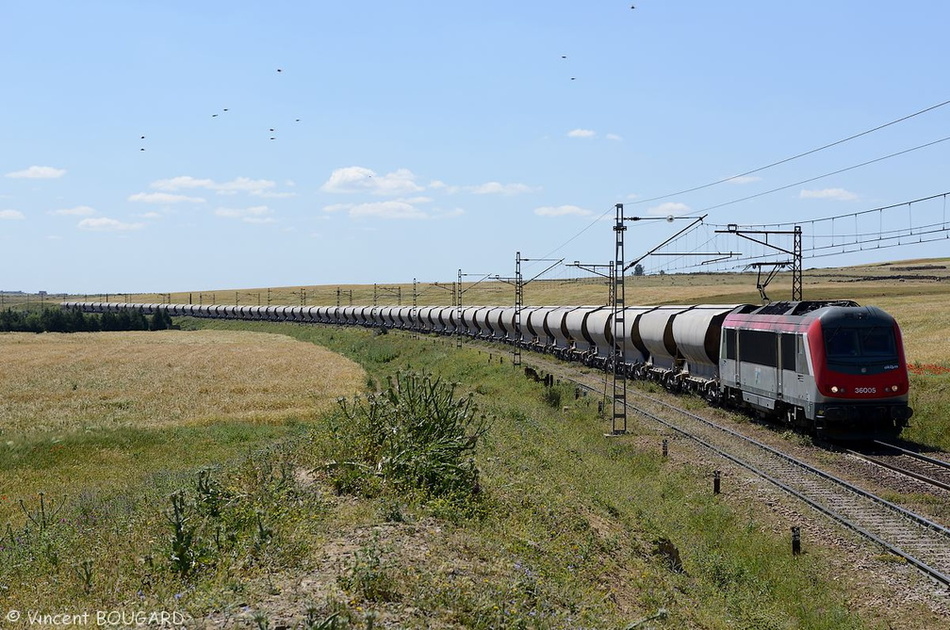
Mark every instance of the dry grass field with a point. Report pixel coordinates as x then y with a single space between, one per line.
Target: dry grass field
114 426
97 410
60 383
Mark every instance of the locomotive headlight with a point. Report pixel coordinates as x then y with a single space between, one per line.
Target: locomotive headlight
837 390
894 388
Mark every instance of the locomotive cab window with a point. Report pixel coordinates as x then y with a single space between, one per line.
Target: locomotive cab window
848 343
878 341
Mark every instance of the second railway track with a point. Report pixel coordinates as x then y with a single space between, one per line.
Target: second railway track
929 470
919 540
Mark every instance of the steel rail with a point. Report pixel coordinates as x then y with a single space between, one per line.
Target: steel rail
935 573
930 460
903 471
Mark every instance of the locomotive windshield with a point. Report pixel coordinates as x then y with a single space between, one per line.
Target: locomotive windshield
870 343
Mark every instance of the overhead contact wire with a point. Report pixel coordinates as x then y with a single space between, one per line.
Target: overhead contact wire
794 157
812 179
768 166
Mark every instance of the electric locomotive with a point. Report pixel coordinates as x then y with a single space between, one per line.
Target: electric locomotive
833 367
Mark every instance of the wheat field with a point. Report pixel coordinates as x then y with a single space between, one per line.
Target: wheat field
58 383
96 412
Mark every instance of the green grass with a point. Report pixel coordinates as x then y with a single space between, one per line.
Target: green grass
574 530
930 400
573 522
122 458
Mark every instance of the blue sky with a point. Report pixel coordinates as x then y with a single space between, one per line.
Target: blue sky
170 146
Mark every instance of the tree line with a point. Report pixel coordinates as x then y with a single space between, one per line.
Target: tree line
74 320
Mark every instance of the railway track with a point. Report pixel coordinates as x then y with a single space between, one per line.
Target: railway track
931 471
915 538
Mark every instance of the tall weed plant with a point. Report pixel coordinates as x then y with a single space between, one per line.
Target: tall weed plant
415 435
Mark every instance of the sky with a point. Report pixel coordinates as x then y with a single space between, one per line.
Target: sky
181 145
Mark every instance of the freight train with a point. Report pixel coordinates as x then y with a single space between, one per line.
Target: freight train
833 368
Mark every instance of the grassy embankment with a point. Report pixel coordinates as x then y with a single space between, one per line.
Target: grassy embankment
97 429
569 529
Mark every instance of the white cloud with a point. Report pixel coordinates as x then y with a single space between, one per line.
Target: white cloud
178 183
496 188
581 133
254 214
349 179
11 214
78 211
407 208
838 194
104 224
151 215
488 188
164 198
613 136
394 209
352 179
668 209
38 172
399 182
244 184
560 211
744 179
258 187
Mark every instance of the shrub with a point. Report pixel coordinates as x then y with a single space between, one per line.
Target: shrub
415 435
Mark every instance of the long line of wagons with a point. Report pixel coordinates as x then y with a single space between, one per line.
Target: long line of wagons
831 367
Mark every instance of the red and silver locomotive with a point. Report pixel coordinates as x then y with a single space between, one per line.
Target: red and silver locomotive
834 367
